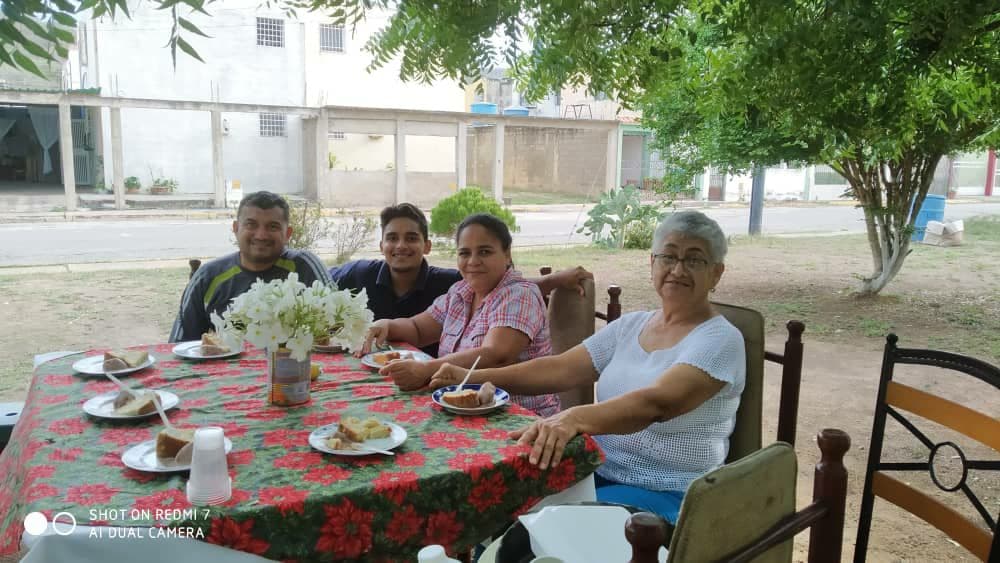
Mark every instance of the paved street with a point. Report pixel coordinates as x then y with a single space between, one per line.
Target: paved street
108 240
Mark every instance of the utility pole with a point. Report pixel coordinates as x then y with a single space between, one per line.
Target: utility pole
757 200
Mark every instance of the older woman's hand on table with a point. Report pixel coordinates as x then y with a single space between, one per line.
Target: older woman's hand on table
548 437
408 375
447 374
378 333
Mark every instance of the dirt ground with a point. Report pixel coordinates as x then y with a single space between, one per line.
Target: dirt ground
946 298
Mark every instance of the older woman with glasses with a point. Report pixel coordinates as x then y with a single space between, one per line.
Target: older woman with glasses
668 380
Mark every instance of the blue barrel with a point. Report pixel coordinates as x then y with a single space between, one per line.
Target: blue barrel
931 210
484 107
516 110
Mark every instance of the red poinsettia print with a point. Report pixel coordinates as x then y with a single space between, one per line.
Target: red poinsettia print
88 495
498 434
267 414
350 376
55 399
287 499
335 405
395 485
111 459
58 380
98 387
473 464
68 426
236 390
286 438
299 460
163 500
254 404
65 455
218 370
527 506
443 528
39 491
488 492
327 474
562 475
240 457
190 384
239 496
137 476
422 401
411 459
153 381
196 403
232 429
405 524
516 456
388 407
451 440
320 418
469 422
347 531
320 386
514 408
370 391
125 436
227 532
414 417
39 472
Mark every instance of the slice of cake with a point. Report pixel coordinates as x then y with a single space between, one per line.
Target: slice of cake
135 405
356 430
170 441
119 360
375 429
466 398
211 345
386 357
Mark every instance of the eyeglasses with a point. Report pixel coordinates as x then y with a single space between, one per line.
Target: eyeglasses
691 264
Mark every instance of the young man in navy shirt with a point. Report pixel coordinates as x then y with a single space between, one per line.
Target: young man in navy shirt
404 284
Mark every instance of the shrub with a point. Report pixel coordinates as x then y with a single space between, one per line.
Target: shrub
307 223
350 235
450 211
639 234
309 226
133 183
616 212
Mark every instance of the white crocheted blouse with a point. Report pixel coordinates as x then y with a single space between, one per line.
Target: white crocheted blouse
668 456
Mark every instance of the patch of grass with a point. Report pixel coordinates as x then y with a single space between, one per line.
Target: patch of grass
966 315
874 328
983 228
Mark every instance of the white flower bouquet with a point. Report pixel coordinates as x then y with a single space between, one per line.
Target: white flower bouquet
286 313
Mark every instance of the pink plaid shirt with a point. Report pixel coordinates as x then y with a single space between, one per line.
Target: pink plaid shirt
515 303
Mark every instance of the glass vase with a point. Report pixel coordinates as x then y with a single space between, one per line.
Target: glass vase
287 378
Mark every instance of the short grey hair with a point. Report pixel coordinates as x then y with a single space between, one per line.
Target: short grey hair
693 224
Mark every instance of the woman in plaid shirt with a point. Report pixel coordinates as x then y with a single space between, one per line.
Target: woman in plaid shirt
493 313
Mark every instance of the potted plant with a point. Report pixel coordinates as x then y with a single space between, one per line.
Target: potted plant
132 185
163 186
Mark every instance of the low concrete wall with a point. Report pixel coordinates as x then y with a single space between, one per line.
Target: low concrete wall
377 188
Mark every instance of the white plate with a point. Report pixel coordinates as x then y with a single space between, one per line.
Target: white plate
317 439
191 350
500 398
142 457
103 405
369 359
94 365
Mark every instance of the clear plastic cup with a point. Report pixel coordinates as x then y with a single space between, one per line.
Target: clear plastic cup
210 482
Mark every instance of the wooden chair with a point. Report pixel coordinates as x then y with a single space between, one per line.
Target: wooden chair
893 398
747 434
194 264
745 511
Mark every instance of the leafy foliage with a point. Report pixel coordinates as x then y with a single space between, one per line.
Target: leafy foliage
450 211
307 223
350 235
621 216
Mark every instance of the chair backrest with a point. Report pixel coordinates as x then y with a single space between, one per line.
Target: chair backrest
746 436
194 264
745 511
893 399
571 320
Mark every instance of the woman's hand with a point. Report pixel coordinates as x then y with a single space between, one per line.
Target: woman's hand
446 375
408 375
378 333
548 437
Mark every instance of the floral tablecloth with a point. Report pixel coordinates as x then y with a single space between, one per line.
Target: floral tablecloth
453 482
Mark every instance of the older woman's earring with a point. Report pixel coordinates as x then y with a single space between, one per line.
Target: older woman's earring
712 290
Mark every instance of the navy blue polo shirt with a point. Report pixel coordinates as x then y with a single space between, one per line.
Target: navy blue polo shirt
374 276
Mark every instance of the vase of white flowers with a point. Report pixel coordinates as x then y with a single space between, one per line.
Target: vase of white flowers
285 317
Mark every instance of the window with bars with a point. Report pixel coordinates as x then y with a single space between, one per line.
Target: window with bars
272 124
270 32
336 136
331 38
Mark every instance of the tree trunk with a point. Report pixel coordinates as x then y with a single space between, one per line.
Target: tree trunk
891 193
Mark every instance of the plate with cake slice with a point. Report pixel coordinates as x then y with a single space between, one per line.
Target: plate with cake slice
118 362
353 436
377 360
120 405
473 399
169 452
210 347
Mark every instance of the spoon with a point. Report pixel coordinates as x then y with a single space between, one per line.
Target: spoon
159 409
460 385
124 387
365 448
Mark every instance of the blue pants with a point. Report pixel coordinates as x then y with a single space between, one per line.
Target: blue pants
665 503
